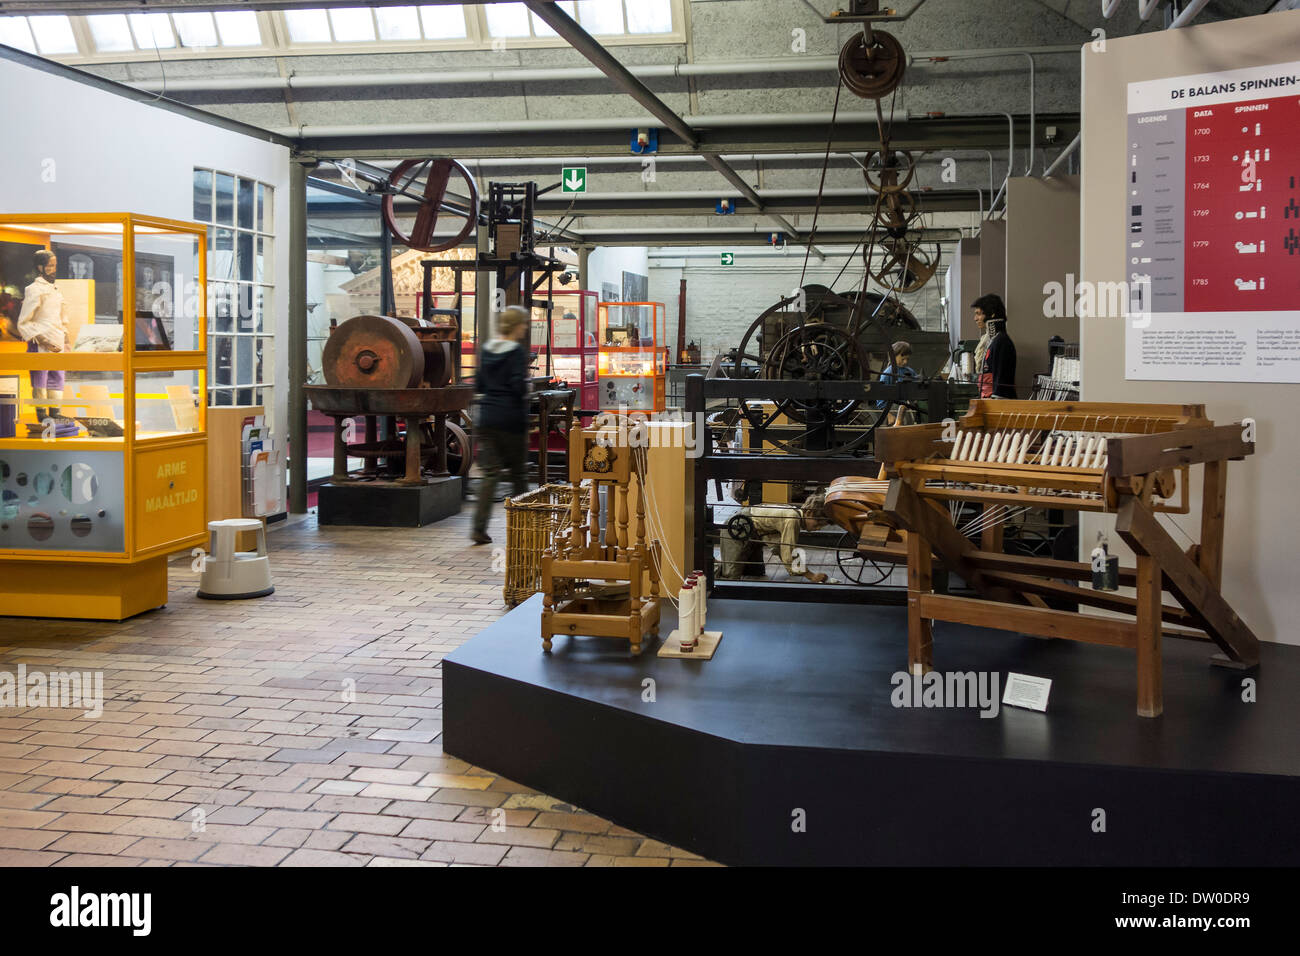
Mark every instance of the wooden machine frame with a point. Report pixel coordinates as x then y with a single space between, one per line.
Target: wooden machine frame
1160 441
571 605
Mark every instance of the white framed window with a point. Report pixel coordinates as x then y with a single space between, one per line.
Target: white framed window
357 28
238 212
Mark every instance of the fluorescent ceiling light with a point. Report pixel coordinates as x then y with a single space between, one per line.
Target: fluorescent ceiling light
352 24
239 28
398 23
443 22
601 16
649 16
195 29
53 34
110 33
152 30
508 20
308 26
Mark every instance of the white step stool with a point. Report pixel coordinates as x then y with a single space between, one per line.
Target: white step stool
230 575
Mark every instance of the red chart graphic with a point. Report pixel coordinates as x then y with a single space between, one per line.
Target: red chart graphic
1242 251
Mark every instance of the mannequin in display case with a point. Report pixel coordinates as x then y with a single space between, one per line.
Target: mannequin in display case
43 324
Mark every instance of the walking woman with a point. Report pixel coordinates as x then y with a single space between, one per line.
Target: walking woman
501 434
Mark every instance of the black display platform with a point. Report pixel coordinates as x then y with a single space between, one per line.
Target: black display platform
386 504
793 716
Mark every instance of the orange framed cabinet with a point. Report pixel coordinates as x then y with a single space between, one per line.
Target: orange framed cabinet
103 474
632 356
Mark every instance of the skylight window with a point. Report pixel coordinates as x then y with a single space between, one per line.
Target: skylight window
152 30
129 36
443 22
110 33
195 29
649 16
53 34
398 23
15 32
352 24
508 20
601 16
543 29
308 26
238 28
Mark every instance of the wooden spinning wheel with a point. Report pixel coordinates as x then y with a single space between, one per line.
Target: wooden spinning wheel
437 174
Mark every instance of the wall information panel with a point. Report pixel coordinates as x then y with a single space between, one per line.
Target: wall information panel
1212 245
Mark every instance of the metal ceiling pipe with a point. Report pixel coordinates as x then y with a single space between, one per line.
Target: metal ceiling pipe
1146 8
771 65
1108 7
1188 15
674 159
1065 155
719 121
302 81
984 54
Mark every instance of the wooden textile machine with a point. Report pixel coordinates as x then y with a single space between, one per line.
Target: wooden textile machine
594 588
1132 460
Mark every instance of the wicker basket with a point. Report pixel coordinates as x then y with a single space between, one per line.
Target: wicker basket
533 523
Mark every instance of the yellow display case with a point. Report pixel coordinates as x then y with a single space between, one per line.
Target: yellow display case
632 356
103 468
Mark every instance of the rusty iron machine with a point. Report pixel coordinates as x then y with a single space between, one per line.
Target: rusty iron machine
401 373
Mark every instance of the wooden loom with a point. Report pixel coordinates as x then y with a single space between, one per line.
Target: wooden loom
1128 459
599 589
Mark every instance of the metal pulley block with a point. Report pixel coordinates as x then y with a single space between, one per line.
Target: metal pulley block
872 71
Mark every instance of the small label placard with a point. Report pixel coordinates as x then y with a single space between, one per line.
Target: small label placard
1025 691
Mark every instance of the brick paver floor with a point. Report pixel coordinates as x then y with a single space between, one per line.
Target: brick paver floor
303 728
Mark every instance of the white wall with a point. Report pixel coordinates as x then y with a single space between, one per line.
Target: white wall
608 263
112 154
1259 577
1042 246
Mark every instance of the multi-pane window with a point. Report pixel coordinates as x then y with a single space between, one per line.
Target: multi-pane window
109 37
366 25
241 275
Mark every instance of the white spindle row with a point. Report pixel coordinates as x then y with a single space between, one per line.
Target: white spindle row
1012 447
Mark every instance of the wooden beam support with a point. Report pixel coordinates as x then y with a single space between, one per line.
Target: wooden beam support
1150 678
1112 632
920 629
1144 454
1140 530
1214 496
1047 567
1108 600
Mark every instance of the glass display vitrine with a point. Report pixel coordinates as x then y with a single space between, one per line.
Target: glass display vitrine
103 369
633 356
564 347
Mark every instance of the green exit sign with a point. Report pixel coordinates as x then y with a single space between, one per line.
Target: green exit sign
728 258
573 179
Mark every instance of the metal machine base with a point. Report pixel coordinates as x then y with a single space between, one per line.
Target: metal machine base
386 504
